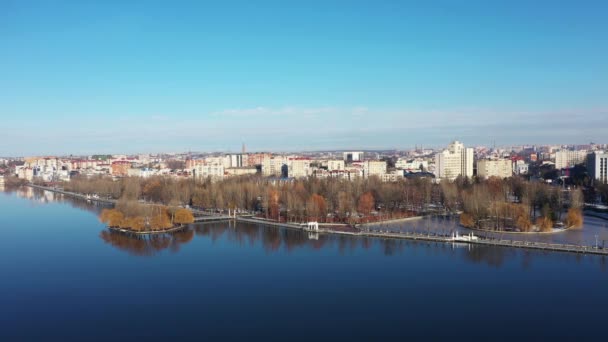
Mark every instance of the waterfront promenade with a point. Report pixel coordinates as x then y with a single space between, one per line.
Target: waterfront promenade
374 232
386 234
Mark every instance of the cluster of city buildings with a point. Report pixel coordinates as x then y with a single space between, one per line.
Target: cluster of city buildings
449 163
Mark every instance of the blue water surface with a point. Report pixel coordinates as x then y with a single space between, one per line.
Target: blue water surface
64 276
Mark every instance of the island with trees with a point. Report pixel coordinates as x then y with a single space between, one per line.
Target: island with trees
131 216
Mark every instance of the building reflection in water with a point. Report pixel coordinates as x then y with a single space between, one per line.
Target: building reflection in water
46 197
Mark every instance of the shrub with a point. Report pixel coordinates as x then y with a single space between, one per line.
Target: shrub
523 223
467 220
544 224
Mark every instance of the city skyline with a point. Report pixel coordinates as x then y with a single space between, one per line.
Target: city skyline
140 77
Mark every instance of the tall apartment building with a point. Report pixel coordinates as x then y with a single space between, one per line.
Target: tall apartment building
597 165
501 168
567 159
454 161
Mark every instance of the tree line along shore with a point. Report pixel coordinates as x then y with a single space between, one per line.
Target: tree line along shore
512 204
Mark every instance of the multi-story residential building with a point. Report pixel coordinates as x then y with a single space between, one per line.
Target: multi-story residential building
454 161
412 165
501 168
374 168
26 173
566 159
240 171
140 172
214 170
256 158
597 165
520 167
120 168
335 165
236 160
299 167
392 177
273 165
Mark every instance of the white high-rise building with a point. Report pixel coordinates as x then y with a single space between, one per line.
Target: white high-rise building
454 161
597 165
567 159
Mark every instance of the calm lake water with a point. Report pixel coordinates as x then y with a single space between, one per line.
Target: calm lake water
64 276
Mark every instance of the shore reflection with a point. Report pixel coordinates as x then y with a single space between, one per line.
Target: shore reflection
146 245
43 197
281 240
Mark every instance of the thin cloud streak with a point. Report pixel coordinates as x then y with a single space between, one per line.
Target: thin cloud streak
296 128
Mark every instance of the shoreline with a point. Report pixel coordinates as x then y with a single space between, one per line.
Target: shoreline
522 233
566 248
402 235
147 232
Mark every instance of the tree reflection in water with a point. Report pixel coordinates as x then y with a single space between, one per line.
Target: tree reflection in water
147 245
277 240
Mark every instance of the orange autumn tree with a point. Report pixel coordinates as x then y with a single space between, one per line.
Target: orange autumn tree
467 220
366 203
273 204
316 207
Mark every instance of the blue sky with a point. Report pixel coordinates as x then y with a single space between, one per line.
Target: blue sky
147 76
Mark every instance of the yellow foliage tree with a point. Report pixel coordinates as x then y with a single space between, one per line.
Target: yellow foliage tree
183 216
137 223
544 224
112 217
161 220
523 223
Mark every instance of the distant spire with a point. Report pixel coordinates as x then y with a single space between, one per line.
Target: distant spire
243 148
